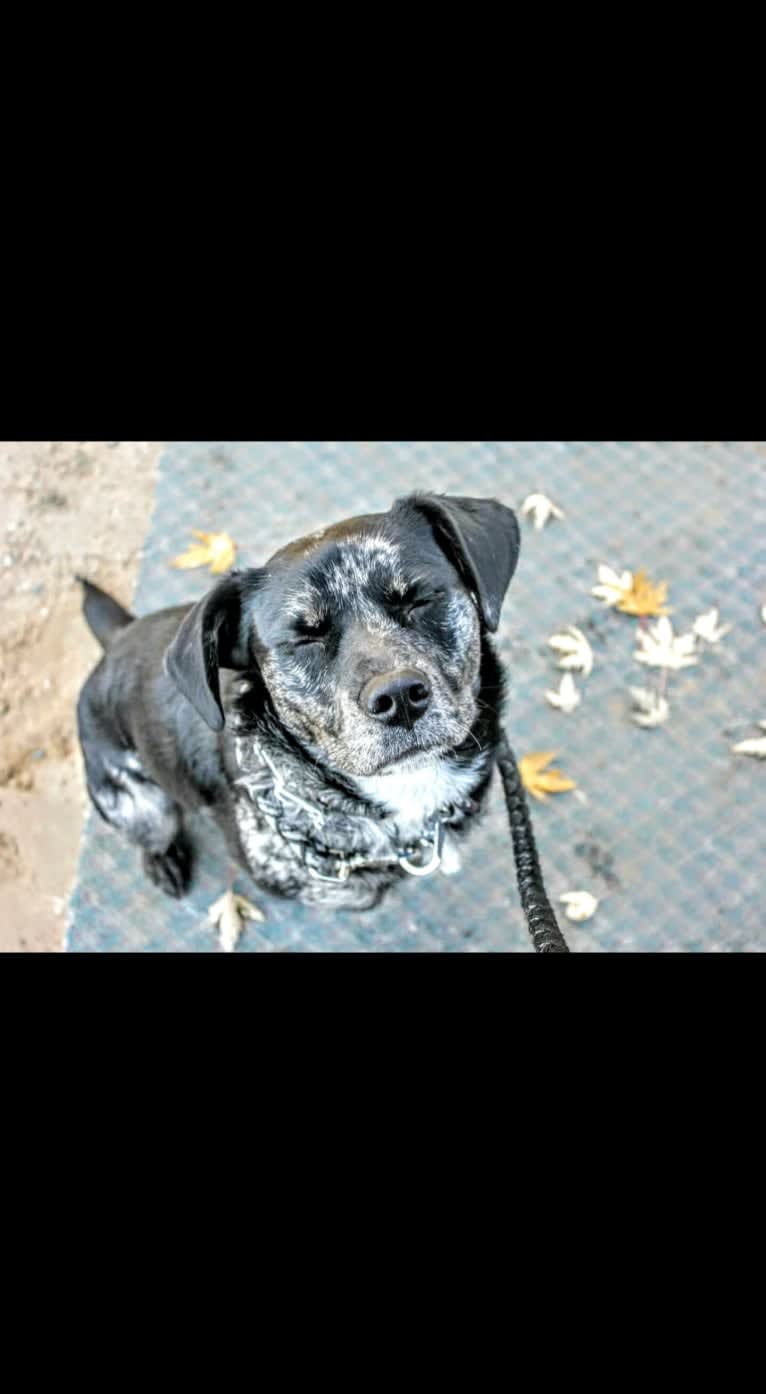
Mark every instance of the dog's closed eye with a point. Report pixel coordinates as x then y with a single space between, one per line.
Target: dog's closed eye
421 601
311 631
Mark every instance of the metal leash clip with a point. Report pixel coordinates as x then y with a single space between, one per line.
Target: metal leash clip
436 856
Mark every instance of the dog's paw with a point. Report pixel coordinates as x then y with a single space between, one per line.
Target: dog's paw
170 870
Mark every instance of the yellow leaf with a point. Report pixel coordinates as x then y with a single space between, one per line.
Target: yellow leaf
540 782
217 551
643 597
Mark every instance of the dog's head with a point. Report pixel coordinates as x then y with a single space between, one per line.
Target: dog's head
367 634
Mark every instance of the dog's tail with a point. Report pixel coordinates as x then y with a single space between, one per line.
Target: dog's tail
104 615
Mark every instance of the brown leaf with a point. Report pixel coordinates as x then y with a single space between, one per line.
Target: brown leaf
217 551
540 782
643 597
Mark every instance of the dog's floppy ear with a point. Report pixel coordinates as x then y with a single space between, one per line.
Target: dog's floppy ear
481 538
209 638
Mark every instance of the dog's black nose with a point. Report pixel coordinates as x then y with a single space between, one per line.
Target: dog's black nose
396 699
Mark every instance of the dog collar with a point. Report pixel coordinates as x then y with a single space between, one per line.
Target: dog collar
275 800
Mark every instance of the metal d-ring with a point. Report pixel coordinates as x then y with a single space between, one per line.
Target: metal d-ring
436 856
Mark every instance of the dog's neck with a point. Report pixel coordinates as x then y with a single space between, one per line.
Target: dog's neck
402 804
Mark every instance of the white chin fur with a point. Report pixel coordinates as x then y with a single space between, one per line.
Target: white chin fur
414 789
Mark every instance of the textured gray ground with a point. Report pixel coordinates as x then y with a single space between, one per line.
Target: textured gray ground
667 827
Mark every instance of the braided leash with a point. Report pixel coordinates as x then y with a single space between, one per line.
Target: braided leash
546 935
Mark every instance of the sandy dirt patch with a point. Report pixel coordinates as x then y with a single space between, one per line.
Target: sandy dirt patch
65 507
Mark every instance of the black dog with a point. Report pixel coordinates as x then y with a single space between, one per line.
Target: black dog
337 708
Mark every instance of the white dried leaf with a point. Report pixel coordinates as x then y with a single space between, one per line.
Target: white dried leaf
613 585
575 650
542 508
567 697
756 746
581 905
228 914
660 648
706 626
652 708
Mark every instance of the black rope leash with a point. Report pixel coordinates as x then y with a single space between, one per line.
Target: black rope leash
546 935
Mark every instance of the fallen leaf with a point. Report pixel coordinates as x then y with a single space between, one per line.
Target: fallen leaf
228 914
644 597
660 648
633 594
613 585
567 697
576 651
217 550
756 746
581 905
706 626
540 782
652 708
542 508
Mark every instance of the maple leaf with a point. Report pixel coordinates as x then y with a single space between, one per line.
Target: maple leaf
540 782
580 904
660 648
542 508
634 595
567 697
706 626
652 709
756 746
216 550
576 651
644 597
228 914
